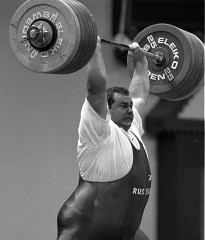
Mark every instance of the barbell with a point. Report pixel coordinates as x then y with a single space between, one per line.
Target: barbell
60 37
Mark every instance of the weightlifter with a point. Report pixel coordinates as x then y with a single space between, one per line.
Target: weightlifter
115 179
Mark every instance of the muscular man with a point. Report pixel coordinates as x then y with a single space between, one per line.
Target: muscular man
115 179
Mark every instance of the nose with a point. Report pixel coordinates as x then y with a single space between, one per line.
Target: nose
129 110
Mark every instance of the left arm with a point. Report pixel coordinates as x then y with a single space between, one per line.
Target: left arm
139 85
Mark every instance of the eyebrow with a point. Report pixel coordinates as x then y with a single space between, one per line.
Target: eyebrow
126 103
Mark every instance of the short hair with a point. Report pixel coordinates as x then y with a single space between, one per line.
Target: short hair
112 90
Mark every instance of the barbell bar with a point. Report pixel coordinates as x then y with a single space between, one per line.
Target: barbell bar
156 57
60 37
41 39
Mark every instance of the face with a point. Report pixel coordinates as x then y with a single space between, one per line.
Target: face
121 111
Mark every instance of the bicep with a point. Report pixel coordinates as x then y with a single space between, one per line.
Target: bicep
96 92
98 102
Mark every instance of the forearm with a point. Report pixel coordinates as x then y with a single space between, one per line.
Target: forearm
96 82
140 86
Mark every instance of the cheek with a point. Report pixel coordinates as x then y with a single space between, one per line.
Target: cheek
116 116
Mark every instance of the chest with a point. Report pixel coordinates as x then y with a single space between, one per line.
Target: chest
136 182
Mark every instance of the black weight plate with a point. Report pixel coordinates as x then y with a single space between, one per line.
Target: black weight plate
193 81
89 37
183 88
91 33
73 65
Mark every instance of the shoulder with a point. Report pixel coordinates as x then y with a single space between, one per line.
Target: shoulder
88 113
93 129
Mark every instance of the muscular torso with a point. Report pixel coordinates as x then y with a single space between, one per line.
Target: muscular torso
109 210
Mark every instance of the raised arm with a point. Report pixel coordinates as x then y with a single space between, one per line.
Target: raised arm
139 85
96 83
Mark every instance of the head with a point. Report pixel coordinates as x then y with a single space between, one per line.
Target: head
120 106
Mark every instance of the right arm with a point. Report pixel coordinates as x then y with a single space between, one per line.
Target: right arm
96 83
139 86
94 127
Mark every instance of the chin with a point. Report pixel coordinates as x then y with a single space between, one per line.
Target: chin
126 127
